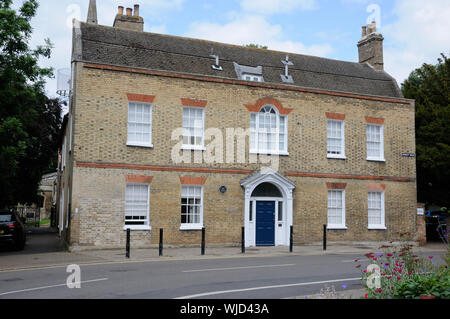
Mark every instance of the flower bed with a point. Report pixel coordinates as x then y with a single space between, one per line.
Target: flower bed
399 273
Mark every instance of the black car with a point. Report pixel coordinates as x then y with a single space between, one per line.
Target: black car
12 230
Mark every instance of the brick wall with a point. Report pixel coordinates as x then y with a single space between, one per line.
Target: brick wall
101 134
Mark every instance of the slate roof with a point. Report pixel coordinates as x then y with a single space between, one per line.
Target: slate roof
113 46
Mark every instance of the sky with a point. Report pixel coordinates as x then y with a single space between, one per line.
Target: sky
415 31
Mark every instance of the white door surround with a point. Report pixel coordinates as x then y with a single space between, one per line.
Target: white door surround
286 187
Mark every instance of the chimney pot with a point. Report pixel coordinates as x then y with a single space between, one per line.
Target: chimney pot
364 31
136 10
129 12
120 10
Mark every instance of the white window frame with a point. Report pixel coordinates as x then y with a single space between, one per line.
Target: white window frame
252 77
342 138
382 225
343 211
193 226
190 146
255 131
381 157
146 226
140 143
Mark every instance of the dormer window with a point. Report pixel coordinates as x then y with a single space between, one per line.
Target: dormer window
249 73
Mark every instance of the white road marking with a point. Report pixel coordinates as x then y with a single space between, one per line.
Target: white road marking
46 287
266 287
247 267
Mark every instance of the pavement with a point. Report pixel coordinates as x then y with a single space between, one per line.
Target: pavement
43 249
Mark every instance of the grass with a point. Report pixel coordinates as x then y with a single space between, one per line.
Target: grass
45 222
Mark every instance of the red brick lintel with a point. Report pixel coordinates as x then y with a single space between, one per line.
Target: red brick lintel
139 179
246 83
348 176
376 187
140 98
192 102
335 116
373 120
189 180
336 185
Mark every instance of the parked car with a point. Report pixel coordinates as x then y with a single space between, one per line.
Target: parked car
12 230
436 223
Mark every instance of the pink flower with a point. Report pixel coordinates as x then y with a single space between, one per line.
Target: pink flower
431 257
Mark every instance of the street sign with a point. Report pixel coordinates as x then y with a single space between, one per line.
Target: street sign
408 155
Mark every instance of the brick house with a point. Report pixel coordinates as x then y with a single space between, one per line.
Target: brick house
177 133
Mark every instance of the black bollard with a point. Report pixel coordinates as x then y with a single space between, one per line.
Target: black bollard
324 237
127 254
243 240
160 242
291 240
203 240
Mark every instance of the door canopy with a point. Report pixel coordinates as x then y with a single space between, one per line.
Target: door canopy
268 175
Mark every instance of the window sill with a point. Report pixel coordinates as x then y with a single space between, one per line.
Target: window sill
139 145
336 227
340 157
382 160
193 148
191 227
269 153
137 227
377 228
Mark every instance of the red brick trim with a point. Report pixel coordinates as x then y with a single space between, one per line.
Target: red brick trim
191 102
140 98
165 168
373 120
336 185
246 83
335 116
189 180
376 187
261 102
141 179
348 176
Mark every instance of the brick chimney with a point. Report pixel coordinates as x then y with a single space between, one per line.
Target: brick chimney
370 47
129 21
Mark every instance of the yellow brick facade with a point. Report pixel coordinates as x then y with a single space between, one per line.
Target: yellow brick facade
100 112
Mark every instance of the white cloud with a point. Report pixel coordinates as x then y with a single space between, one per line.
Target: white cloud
269 7
253 29
418 36
53 20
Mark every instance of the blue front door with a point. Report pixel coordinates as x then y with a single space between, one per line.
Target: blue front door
265 223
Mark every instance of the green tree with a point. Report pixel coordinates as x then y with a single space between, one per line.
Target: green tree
429 86
29 120
256 46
